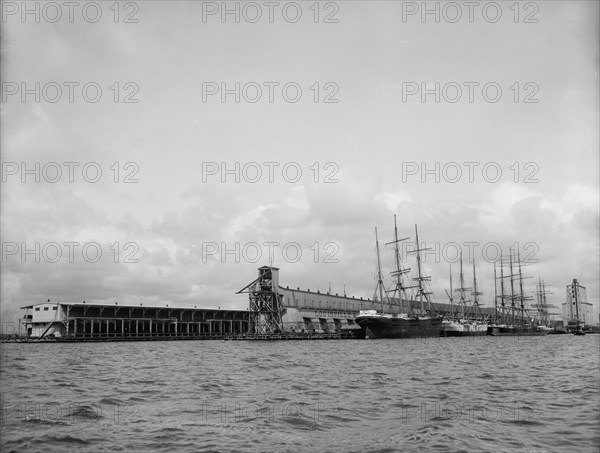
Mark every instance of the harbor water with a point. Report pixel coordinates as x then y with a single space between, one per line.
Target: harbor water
496 394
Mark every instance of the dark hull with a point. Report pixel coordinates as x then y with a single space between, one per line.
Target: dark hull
498 331
379 327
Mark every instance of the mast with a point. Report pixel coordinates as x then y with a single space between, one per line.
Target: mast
521 297
512 289
462 289
450 295
540 302
399 272
542 306
379 278
475 293
544 303
495 294
502 292
421 293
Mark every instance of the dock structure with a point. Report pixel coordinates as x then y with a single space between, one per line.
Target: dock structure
290 313
274 313
93 321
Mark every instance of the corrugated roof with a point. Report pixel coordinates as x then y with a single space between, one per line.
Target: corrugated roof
98 304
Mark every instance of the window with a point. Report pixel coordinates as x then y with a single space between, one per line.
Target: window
37 308
45 308
54 308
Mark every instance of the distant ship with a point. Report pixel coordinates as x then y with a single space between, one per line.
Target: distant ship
400 325
542 310
511 321
458 326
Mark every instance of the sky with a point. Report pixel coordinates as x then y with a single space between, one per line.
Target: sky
157 152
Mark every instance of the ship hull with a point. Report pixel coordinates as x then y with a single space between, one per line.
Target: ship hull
454 329
379 327
453 333
503 331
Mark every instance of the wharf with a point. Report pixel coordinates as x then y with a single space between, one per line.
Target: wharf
344 335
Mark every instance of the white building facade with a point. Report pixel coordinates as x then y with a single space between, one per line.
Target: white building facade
576 294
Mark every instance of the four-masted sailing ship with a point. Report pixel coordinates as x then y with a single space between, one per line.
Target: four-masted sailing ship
512 316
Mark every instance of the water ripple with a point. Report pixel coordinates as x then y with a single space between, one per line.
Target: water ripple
439 395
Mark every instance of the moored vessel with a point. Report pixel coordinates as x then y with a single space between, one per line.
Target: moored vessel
460 326
400 325
387 325
512 321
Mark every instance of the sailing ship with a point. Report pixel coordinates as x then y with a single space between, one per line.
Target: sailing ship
461 326
402 324
542 309
511 320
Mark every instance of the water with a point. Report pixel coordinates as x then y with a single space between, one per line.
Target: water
497 394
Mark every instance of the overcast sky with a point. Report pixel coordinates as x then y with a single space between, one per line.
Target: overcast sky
537 139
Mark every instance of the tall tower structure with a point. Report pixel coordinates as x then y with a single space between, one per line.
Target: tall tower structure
577 310
266 303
